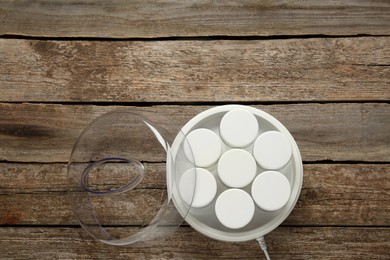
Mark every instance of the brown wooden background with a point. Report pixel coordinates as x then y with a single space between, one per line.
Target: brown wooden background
321 67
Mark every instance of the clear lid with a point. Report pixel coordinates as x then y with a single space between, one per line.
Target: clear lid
122 173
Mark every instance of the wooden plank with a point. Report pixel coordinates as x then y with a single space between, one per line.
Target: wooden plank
152 18
343 194
136 207
339 132
332 194
38 178
341 69
283 243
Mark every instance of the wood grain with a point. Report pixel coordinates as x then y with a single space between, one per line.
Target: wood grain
283 243
341 69
52 177
343 194
321 67
335 194
137 207
339 132
152 18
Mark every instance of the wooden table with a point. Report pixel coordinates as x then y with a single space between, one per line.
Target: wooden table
321 67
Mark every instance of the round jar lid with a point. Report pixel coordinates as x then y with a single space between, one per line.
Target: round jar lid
234 208
203 147
237 168
272 150
239 128
205 188
271 190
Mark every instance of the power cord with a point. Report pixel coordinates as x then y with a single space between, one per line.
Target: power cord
263 247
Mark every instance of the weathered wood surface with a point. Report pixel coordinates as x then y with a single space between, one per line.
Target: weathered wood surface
321 69
335 194
339 132
152 18
283 243
27 178
332 93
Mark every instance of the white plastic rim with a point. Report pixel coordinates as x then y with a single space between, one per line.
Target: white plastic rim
239 128
237 168
234 208
215 114
271 190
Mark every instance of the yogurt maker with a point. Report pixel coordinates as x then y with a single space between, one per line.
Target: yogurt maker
233 173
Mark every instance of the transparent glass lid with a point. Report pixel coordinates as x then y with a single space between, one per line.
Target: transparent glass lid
122 173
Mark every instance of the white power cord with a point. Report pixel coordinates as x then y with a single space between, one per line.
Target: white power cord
263 247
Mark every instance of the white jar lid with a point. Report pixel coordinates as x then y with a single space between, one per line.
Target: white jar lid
237 168
272 150
234 208
239 128
203 146
271 190
205 187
